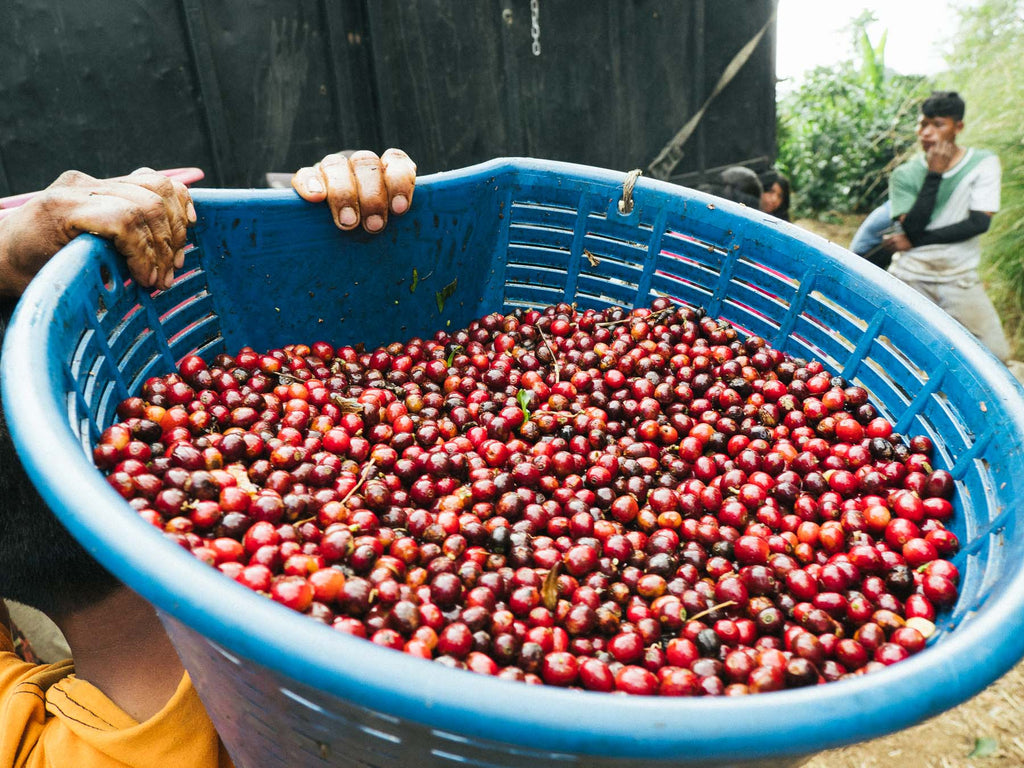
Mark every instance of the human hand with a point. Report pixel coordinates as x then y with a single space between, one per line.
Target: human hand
897 243
940 156
362 188
144 214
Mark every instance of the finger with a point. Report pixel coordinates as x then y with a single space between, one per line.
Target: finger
178 209
373 191
155 195
155 182
342 190
126 224
168 220
309 184
400 178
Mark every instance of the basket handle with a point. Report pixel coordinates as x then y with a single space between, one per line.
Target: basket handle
626 203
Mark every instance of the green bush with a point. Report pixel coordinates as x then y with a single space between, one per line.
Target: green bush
846 128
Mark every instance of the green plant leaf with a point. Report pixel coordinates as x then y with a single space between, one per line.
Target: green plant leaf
451 355
984 746
521 397
445 293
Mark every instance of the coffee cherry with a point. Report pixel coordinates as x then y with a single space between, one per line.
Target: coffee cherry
635 501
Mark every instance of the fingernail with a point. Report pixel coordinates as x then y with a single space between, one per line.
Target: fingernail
374 223
153 275
168 279
399 204
348 217
179 259
314 185
190 211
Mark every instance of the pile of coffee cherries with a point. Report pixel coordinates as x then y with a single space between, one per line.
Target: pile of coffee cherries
638 501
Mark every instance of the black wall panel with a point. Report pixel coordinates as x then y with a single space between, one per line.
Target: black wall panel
241 87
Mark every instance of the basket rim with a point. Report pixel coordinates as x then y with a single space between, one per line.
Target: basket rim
248 625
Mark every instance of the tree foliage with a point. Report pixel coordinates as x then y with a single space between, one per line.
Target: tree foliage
846 128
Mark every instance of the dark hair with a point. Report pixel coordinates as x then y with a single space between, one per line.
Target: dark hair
739 184
768 179
944 104
40 563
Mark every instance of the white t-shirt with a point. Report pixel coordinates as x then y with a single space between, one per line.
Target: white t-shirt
970 185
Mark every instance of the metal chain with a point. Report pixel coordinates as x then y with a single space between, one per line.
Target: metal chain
535 26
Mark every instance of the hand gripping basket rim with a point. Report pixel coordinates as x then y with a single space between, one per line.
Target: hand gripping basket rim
779 724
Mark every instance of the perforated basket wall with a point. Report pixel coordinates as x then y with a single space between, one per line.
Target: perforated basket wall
268 269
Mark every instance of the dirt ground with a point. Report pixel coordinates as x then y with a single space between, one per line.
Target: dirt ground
984 732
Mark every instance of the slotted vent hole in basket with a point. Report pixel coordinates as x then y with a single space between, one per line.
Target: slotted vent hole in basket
81 368
827 336
107 277
703 266
950 423
183 306
837 308
536 757
541 223
122 326
1001 513
537 254
78 420
678 264
901 358
804 346
692 242
132 352
539 289
147 359
607 291
770 281
205 323
757 312
610 243
536 209
692 293
880 406
614 271
675 263
875 378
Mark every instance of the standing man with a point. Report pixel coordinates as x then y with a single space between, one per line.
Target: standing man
944 199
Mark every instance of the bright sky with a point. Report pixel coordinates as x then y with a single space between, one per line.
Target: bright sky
813 32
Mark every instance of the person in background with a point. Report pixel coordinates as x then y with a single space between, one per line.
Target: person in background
775 197
125 699
943 200
737 183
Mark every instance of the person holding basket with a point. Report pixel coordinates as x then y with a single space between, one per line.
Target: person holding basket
125 698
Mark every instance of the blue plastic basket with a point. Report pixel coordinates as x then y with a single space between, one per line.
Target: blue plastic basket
269 269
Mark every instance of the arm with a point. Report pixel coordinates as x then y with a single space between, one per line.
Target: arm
916 219
976 223
144 214
939 158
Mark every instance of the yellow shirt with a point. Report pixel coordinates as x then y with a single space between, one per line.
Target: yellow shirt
51 719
